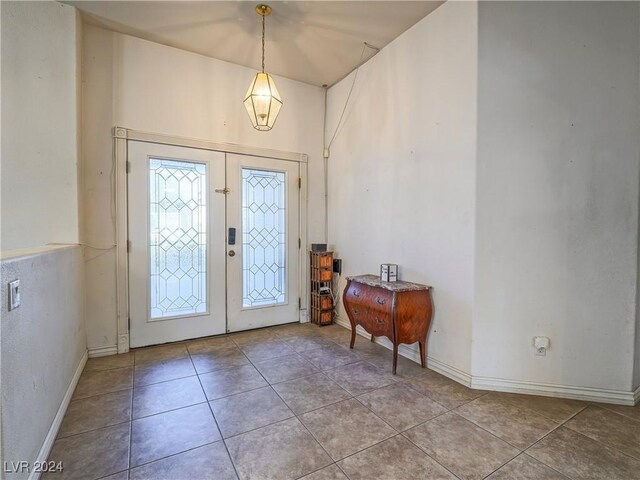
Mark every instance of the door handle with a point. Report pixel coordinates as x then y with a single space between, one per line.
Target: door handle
232 253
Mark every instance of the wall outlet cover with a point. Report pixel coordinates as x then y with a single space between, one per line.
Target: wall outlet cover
541 344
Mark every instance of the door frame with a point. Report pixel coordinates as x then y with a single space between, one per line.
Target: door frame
121 136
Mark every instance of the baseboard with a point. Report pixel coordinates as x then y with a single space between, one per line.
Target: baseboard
47 445
103 351
618 397
588 394
414 355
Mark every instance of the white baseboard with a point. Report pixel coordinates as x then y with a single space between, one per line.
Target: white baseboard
103 351
589 394
45 450
618 397
414 354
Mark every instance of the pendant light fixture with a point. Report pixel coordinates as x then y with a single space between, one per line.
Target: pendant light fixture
262 101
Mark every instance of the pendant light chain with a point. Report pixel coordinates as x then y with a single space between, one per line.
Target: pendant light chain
262 43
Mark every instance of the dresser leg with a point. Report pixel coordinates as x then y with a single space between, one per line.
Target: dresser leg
373 339
353 336
395 357
422 354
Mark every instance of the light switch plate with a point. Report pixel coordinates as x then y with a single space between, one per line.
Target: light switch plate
14 294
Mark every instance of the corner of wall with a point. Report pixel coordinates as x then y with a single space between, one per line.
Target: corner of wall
636 362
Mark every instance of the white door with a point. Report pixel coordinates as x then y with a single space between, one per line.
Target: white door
177 243
188 276
262 263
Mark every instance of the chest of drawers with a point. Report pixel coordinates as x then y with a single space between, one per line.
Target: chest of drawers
400 311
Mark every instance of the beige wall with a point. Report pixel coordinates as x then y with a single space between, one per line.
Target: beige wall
145 86
557 211
42 344
40 124
493 152
401 170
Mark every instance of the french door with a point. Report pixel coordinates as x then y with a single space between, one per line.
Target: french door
262 263
213 242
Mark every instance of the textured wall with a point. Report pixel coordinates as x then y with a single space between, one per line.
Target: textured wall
557 212
40 130
402 169
42 343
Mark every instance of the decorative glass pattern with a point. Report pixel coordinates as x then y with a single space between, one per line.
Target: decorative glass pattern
177 238
264 247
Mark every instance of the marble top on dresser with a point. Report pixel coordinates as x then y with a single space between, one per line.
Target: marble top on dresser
398 286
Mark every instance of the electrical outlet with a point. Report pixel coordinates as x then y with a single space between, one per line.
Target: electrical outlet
541 345
14 294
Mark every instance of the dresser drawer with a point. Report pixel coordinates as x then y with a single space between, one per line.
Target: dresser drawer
380 300
360 313
357 294
378 324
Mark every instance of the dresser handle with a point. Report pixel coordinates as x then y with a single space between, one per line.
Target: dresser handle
379 322
355 311
380 301
355 293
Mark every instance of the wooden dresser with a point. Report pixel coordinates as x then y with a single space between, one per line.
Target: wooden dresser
400 311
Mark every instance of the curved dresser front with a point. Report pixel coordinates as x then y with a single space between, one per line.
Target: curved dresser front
400 311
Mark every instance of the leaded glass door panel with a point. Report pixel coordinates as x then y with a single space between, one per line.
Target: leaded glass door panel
177 243
262 263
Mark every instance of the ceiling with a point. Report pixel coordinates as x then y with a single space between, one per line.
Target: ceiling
316 42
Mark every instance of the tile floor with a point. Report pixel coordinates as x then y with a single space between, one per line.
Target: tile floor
294 402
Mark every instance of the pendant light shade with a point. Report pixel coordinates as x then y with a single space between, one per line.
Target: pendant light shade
262 101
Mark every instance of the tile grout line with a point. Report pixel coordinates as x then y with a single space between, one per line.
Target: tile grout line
354 397
427 454
535 459
502 465
606 406
133 392
491 433
409 440
133 389
171 455
214 417
317 470
351 396
514 404
96 429
294 415
549 433
611 447
447 410
299 420
579 433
